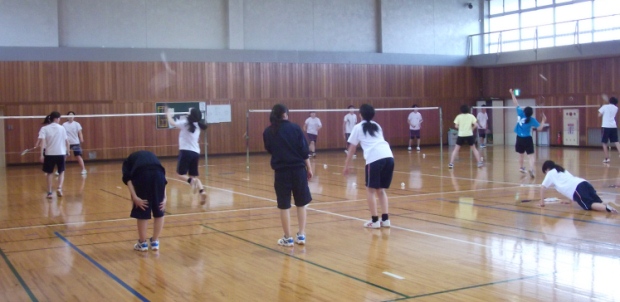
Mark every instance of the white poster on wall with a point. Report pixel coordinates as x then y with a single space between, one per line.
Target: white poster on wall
570 120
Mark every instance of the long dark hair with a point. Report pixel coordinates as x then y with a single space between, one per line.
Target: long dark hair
195 116
277 116
47 120
528 113
548 165
368 113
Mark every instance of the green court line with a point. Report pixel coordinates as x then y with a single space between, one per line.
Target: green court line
19 278
467 287
309 262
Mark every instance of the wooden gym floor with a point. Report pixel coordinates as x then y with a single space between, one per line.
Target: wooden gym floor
461 235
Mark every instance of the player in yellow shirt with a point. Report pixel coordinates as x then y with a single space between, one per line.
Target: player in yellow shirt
465 123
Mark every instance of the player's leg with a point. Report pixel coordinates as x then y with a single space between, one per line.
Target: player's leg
387 171
604 140
373 181
459 141
283 188
61 174
193 159
158 191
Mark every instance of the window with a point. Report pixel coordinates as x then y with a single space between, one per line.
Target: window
530 24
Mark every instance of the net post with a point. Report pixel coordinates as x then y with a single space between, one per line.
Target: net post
206 157
247 140
441 136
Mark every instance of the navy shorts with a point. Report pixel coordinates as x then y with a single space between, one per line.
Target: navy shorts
77 149
482 133
524 145
51 161
379 173
150 184
585 195
609 134
295 181
312 137
462 140
414 133
188 163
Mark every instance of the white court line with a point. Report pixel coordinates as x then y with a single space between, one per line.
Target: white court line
394 275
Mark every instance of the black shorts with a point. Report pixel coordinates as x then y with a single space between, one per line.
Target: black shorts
346 137
585 195
462 140
379 173
312 137
77 149
609 134
150 184
524 145
414 134
294 180
188 163
51 161
482 133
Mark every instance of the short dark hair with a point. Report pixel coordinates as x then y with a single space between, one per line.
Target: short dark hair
54 115
70 112
350 106
613 100
464 109
414 106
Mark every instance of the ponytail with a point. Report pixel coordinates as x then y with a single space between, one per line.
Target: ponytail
528 113
549 165
368 113
195 117
276 117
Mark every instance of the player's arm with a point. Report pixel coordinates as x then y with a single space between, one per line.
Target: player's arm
170 117
308 168
456 126
137 201
68 147
351 151
344 126
542 196
81 136
542 123
514 98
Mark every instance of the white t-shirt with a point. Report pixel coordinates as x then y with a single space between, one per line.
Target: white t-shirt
72 131
482 120
375 147
415 120
609 115
564 182
312 125
187 140
54 139
349 121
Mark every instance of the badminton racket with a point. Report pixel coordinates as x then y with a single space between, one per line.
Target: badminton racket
27 150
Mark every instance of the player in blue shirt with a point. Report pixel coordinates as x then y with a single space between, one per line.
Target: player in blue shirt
523 129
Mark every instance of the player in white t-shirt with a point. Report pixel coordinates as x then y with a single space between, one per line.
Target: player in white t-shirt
379 164
415 125
312 127
609 127
74 134
574 188
483 119
350 119
189 149
54 138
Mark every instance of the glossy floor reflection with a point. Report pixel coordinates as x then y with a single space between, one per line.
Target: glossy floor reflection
456 235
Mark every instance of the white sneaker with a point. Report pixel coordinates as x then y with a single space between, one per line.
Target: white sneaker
605 160
354 156
372 225
385 223
417 148
300 239
480 164
84 172
522 170
56 173
59 192
346 152
409 149
286 241
532 175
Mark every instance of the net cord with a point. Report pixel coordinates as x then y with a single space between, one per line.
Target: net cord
345 110
88 115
